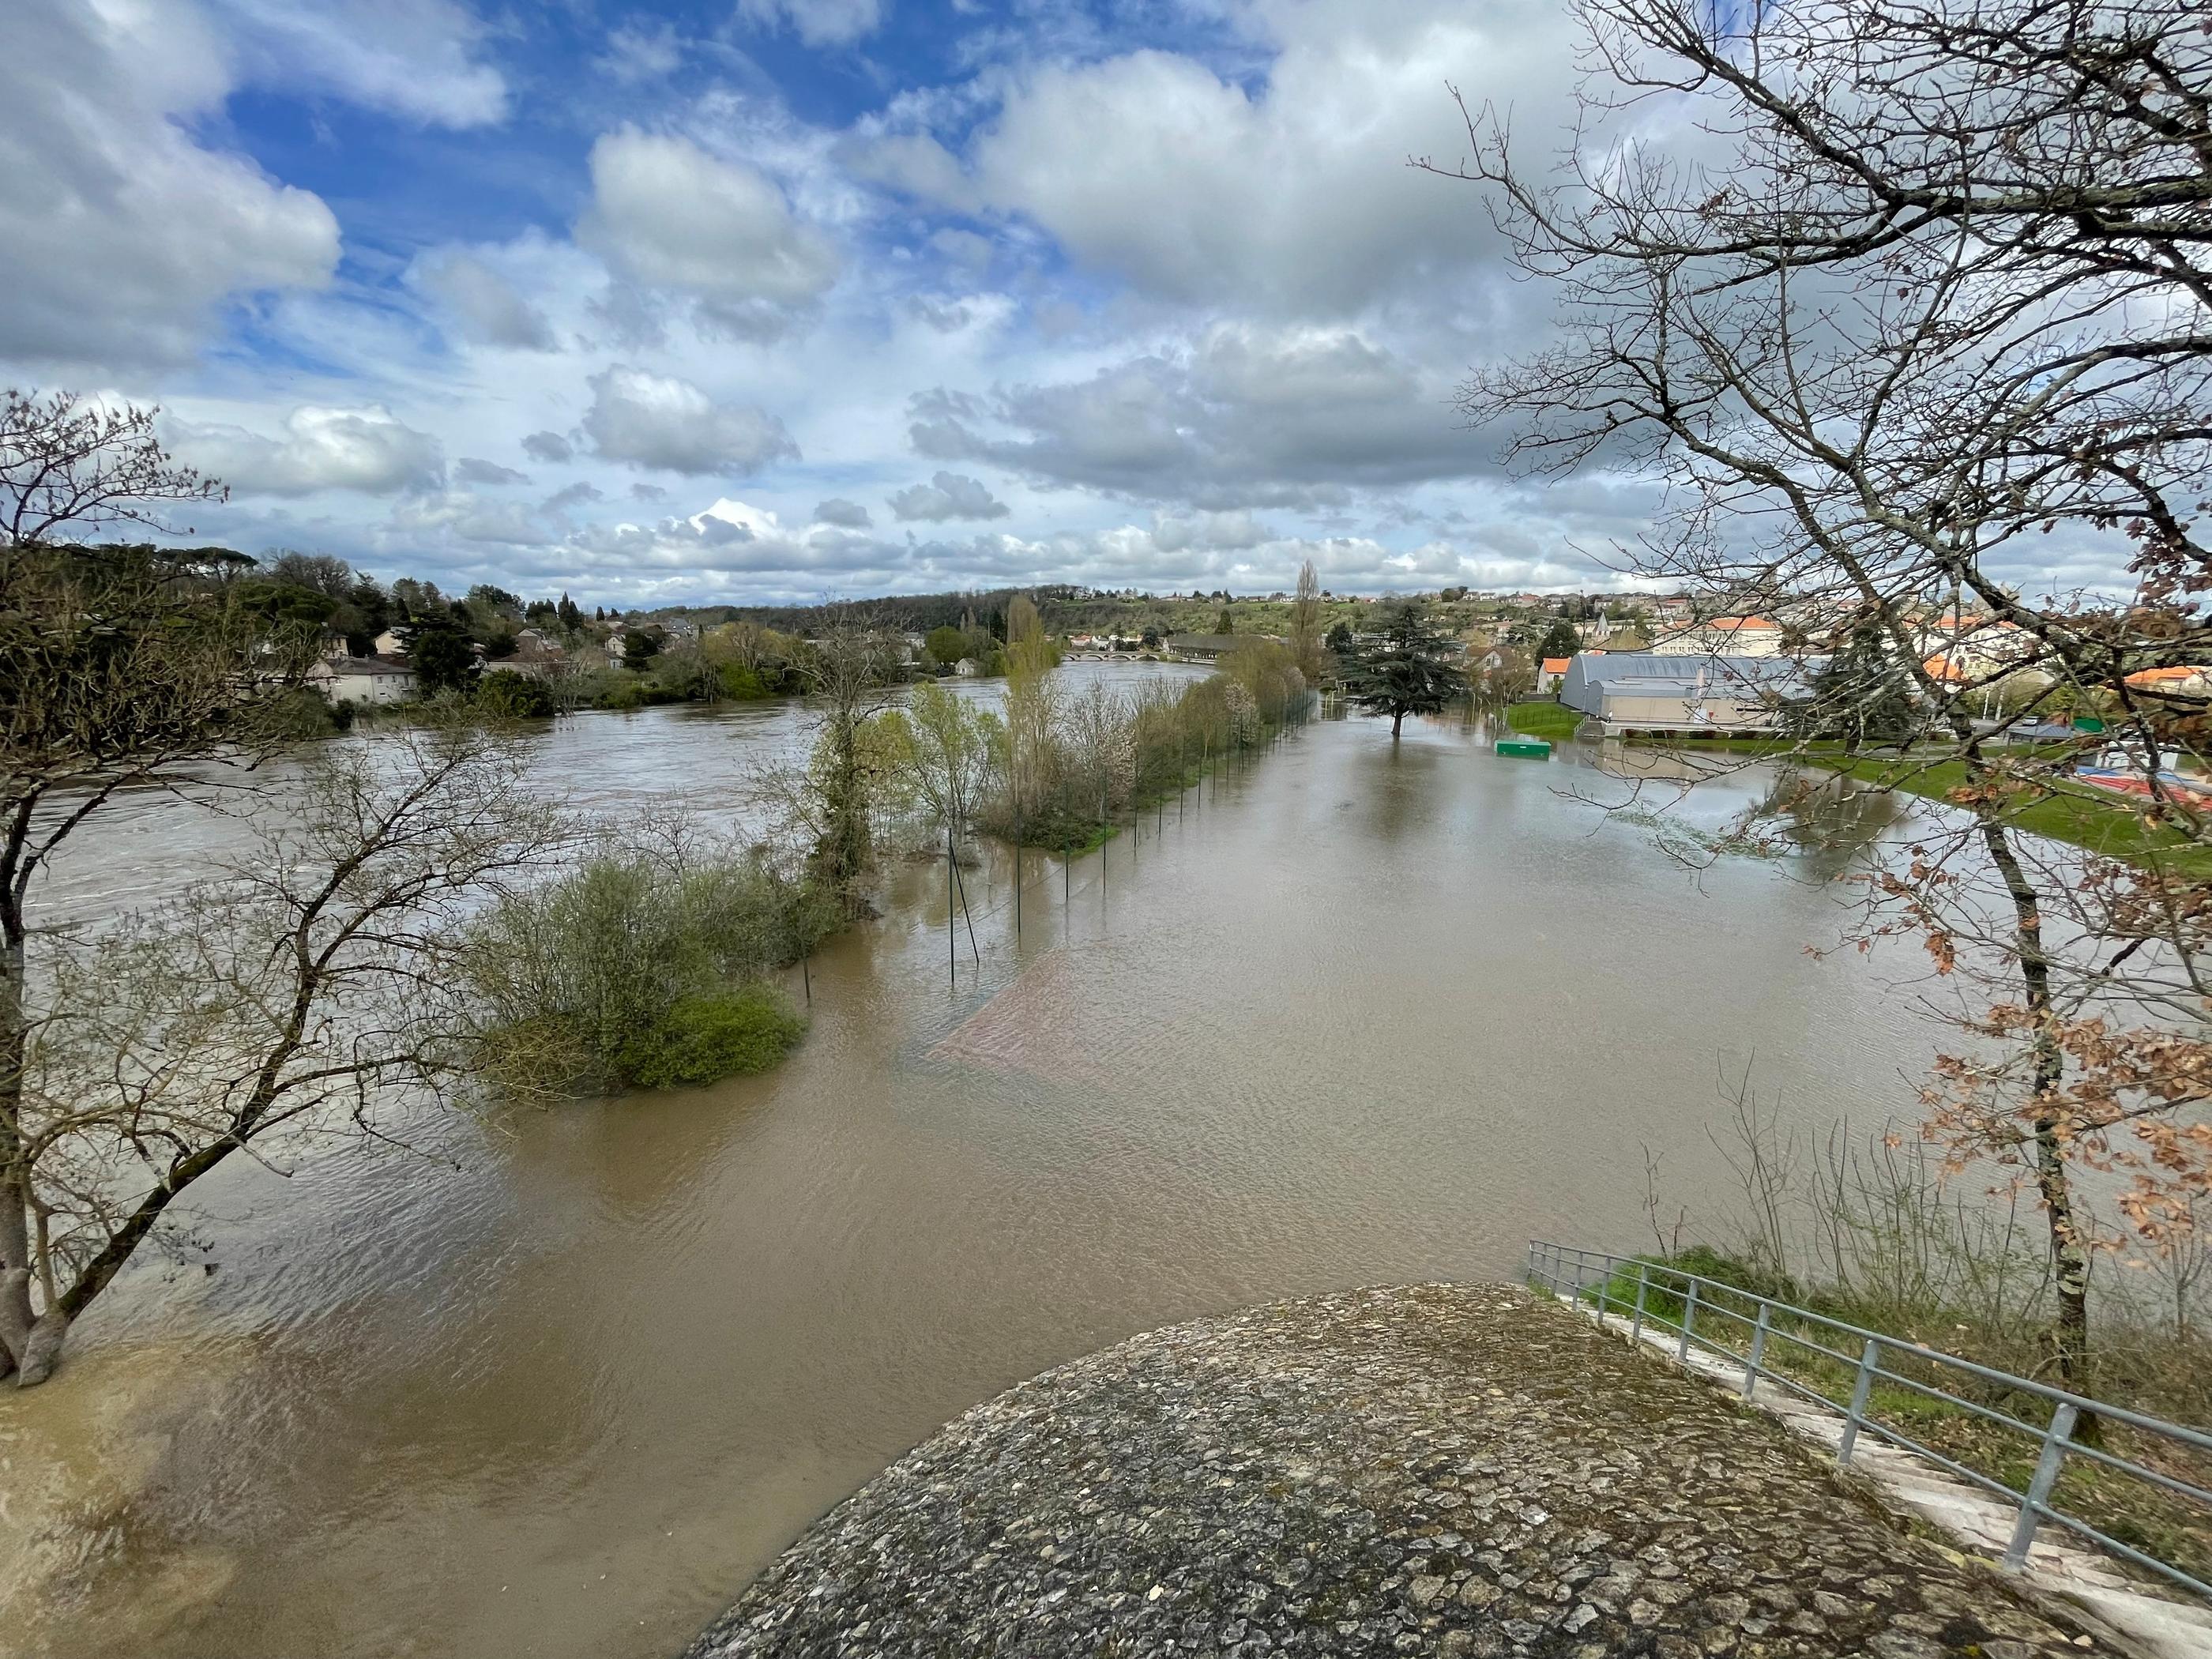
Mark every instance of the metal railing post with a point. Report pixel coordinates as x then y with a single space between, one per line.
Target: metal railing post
1689 1319
1758 1348
1860 1389
2055 1442
1642 1284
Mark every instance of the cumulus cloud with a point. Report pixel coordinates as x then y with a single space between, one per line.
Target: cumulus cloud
418 60
548 446
469 470
1288 192
666 214
660 421
1245 416
838 511
365 450
817 23
948 495
120 230
487 305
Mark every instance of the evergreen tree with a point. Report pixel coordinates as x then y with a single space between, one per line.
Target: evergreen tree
1404 669
1861 694
572 618
1560 640
442 659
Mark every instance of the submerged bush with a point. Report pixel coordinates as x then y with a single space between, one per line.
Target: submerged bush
642 969
700 1039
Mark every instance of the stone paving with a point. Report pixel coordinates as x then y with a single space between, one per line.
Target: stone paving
1434 1469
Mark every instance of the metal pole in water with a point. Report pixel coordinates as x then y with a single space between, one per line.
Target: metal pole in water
951 949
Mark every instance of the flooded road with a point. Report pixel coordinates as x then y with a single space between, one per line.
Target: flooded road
1370 1014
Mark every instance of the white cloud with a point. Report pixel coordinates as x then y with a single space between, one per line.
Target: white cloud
420 59
658 421
948 495
1293 194
666 214
364 450
817 23
119 231
488 307
636 54
837 511
548 446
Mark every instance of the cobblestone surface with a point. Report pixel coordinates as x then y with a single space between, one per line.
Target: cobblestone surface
1447 1470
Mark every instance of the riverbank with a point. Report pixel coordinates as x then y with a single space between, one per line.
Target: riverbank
1434 1469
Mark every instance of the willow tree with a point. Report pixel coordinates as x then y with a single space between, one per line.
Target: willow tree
1904 302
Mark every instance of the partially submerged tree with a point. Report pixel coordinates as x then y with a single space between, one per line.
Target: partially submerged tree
1406 667
1889 293
307 991
120 667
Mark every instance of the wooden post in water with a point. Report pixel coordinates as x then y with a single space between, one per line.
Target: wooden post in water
951 947
965 916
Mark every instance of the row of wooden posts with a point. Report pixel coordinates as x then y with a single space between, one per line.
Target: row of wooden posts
956 887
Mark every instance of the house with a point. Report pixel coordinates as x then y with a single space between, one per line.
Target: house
1977 650
1662 693
967 668
389 644
534 656
369 680
2184 681
1723 636
1552 670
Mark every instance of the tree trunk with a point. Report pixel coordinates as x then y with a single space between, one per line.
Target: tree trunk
16 1267
2069 1254
1397 722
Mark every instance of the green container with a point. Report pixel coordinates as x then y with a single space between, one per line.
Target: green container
1524 748
2087 723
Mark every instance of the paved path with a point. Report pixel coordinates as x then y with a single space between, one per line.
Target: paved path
1448 1470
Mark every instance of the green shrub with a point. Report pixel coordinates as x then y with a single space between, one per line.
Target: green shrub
741 683
510 695
623 693
702 1038
616 970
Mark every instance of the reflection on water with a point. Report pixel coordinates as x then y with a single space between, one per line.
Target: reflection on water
1377 1013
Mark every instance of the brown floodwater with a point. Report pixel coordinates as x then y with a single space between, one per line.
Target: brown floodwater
1372 1014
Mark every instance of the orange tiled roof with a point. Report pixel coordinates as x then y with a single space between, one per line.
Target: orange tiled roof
1556 664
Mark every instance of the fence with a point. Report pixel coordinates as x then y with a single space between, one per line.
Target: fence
1646 1293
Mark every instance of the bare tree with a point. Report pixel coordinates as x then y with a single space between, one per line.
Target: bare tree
68 468
1922 285
309 991
120 667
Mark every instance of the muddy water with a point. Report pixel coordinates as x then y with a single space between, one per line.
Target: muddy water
1370 1013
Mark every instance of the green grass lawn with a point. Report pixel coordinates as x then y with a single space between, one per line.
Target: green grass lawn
1552 720
2076 816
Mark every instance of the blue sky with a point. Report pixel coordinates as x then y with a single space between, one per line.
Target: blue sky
777 299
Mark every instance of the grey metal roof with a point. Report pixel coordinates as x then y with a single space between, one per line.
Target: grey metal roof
1591 674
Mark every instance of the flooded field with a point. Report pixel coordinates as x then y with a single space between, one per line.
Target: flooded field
1371 1014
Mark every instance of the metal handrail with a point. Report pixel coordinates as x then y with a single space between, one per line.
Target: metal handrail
1568 1270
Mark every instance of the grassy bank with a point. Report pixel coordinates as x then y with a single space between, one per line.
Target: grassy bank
1554 722
2078 816
2154 1371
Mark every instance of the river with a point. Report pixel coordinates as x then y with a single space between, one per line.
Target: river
1370 1013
